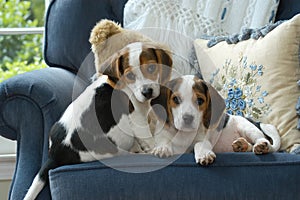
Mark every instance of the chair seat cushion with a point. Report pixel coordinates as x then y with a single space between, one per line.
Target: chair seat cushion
232 176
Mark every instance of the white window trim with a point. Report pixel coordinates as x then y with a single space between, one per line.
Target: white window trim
21 31
25 31
7 166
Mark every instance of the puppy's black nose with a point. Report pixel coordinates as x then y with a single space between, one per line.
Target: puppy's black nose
188 119
147 92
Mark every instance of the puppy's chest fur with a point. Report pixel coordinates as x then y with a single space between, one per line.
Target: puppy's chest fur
181 141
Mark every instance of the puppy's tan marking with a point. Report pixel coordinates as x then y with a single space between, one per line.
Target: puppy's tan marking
149 64
171 94
200 97
165 60
115 66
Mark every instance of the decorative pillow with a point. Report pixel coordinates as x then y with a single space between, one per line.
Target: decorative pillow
258 78
195 18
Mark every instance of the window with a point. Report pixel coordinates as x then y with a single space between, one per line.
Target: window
21 36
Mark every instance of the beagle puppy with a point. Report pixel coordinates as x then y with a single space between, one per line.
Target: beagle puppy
193 117
110 117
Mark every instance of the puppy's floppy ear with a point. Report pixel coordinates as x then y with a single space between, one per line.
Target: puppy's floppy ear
113 68
164 111
161 106
215 108
166 62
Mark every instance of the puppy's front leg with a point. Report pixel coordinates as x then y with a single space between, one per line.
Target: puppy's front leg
203 152
163 144
141 127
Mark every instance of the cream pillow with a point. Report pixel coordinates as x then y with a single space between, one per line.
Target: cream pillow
258 78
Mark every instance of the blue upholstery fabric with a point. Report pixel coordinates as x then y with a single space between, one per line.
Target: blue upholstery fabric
68 26
287 9
30 103
298 104
232 176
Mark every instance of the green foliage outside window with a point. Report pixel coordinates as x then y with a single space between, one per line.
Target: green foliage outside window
20 53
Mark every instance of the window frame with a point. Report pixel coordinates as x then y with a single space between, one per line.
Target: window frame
21 31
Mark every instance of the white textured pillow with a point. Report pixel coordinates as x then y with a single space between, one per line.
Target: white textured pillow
195 18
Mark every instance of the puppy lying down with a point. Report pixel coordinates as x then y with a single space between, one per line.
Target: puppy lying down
193 118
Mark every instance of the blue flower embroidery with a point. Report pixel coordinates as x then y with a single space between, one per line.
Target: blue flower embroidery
230 94
250 102
227 103
239 113
259 70
239 86
232 82
242 104
238 93
253 67
258 88
229 112
261 100
234 104
264 93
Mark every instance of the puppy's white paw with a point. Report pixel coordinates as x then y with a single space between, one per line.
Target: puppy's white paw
205 158
261 146
241 145
147 145
162 151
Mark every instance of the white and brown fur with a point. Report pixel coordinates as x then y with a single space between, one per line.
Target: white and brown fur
194 119
108 37
110 117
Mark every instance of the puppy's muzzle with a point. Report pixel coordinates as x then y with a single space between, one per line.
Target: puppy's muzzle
147 92
188 119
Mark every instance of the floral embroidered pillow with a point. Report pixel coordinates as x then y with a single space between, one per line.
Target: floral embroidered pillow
240 88
258 78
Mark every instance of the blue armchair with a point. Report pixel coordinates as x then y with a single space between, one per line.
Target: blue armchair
30 103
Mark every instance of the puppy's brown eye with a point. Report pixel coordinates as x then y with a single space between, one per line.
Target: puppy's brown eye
130 76
176 100
199 101
151 68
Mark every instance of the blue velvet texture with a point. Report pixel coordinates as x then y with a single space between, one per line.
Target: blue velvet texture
298 104
68 26
287 9
30 103
232 176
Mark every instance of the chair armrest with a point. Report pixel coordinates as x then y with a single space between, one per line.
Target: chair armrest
29 105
